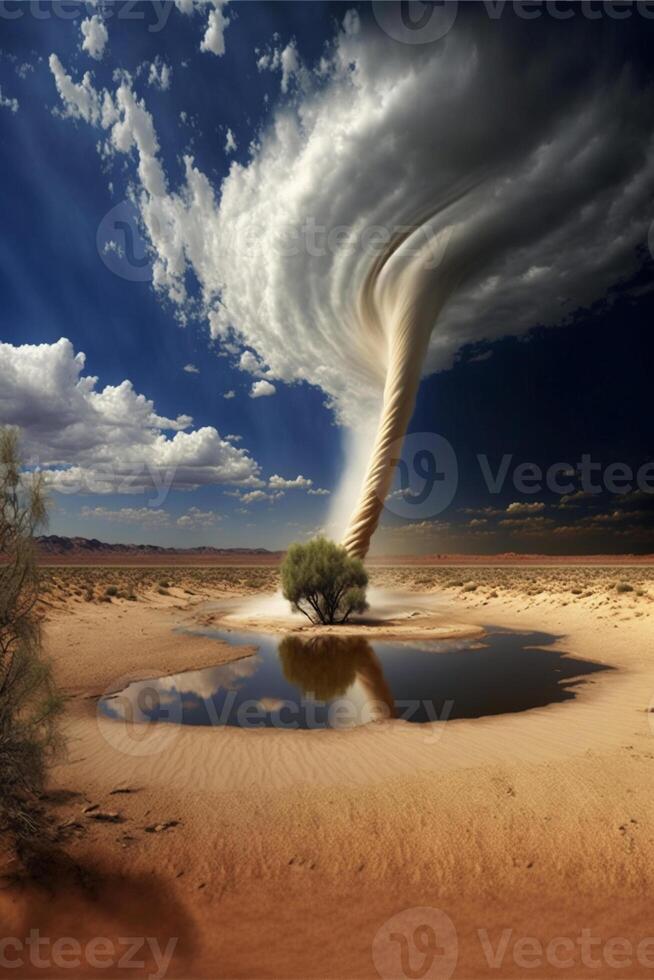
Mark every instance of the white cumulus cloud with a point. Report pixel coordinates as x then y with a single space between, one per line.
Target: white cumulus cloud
257 496
195 518
8 103
110 439
217 24
262 389
142 516
279 483
159 74
230 142
525 507
94 36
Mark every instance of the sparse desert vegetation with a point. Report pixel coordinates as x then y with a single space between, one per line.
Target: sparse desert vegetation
29 704
605 589
78 584
601 587
495 783
323 582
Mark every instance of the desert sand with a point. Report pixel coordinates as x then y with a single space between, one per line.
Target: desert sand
270 853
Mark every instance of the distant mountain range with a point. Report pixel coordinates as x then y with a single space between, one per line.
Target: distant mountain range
57 549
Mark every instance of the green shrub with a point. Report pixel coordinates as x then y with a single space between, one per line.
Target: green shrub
322 581
29 704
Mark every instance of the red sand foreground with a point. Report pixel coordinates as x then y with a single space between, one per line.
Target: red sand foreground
527 838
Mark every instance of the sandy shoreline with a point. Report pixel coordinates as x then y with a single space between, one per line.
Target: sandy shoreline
293 848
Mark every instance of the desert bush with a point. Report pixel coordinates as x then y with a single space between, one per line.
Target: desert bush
29 704
322 581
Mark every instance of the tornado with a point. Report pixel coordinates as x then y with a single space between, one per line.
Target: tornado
400 300
511 177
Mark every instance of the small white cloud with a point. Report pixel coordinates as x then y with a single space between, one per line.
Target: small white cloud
287 61
525 508
256 496
351 22
7 103
484 356
230 142
143 516
95 36
318 492
160 74
279 483
230 394
290 65
24 69
81 100
191 369
262 389
217 24
249 362
195 518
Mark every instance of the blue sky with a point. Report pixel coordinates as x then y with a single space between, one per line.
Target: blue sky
508 386
54 195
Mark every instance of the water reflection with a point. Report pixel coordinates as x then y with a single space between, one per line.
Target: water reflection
326 667
338 682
